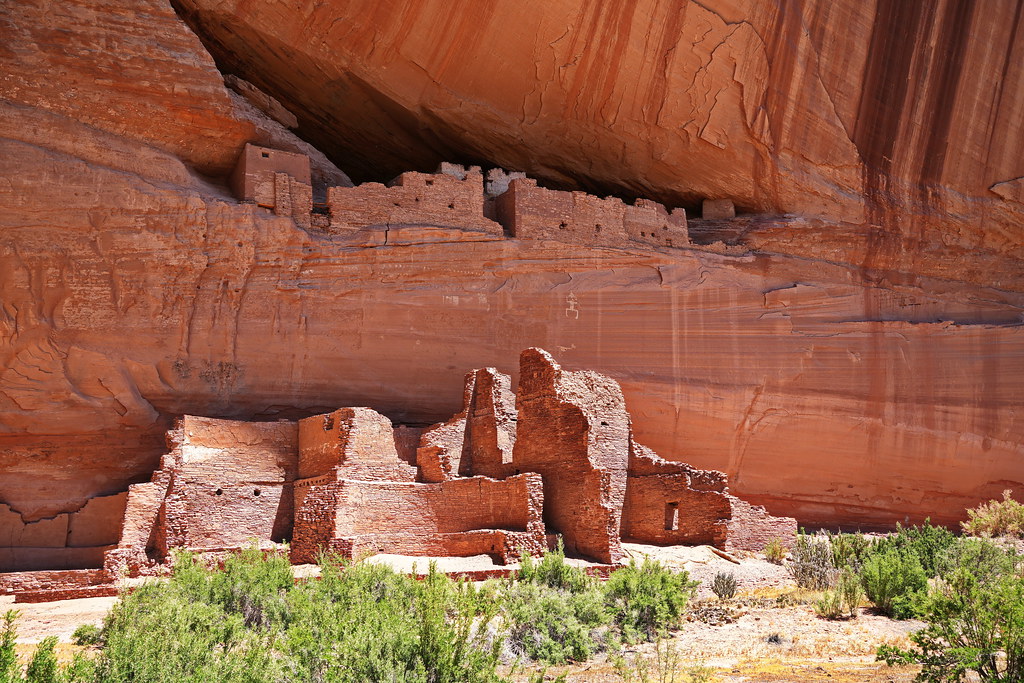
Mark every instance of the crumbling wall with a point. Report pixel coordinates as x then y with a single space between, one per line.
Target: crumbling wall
230 484
357 442
316 508
531 212
573 429
751 527
465 516
490 425
442 199
441 446
671 503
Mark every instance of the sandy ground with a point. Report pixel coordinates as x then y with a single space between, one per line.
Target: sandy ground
765 641
61 618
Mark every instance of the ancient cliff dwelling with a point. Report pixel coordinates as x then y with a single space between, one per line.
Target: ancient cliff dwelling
773 254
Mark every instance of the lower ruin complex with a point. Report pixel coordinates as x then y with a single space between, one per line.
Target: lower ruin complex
510 473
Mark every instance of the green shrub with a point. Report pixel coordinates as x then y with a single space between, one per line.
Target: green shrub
810 563
647 599
926 542
849 550
87 635
829 605
975 623
553 571
364 622
724 585
996 518
43 667
774 551
9 669
843 601
556 626
893 580
850 591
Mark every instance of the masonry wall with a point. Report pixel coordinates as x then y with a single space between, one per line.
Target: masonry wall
466 516
490 426
275 180
256 163
230 484
359 442
573 429
531 212
663 510
413 199
751 527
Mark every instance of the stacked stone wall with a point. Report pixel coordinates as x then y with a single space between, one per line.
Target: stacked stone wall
531 212
573 429
438 199
751 527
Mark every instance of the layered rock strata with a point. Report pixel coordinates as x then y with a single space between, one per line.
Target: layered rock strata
844 366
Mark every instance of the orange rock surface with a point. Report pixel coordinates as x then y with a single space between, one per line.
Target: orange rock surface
857 361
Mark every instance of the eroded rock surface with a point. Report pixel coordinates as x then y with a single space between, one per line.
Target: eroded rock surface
860 363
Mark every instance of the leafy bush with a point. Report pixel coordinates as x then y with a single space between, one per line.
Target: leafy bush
774 551
926 542
849 550
87 635
724 585
843 601
553 571
894 580
9 670
810 563
43 667
975 623
647 599
996 518
556 626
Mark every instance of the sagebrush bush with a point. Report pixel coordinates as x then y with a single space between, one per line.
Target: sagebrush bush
724 585
647 599
774 551
252 623
810 563
43 667
894 581
925 542
996 518
556 626
975 621
829 605
842 602
849 550
87 635
554 571
9 670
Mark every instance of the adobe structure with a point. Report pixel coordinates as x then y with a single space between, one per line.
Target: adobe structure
506 475
508 204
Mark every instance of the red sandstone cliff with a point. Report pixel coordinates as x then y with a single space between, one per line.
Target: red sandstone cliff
861 364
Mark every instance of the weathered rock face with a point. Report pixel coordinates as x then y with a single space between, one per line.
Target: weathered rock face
834 372
902 116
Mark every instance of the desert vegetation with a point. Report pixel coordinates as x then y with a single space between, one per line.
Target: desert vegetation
251 620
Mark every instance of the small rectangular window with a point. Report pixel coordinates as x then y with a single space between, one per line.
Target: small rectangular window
266 155
672 517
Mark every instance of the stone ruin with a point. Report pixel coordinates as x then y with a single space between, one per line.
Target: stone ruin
507 204
508 474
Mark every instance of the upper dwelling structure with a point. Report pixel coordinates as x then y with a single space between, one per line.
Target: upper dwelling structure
505 205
